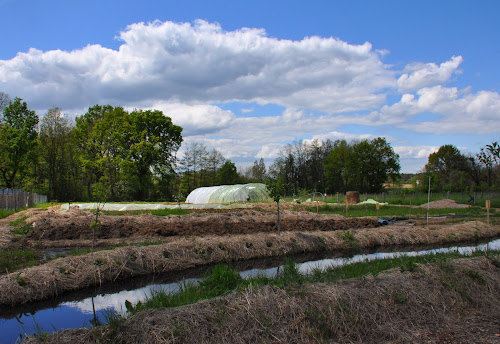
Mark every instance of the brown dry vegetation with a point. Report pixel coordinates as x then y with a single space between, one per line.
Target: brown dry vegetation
76 272
449 302
75 224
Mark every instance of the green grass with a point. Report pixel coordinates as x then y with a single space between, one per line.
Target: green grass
157 212
4 213
223 279
398 211
404 197
14 259
18 221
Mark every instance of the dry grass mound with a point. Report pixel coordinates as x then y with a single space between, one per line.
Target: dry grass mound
444 204
76 224
77 272
450 302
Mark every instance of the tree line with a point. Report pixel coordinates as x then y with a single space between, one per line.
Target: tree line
116 155
106 154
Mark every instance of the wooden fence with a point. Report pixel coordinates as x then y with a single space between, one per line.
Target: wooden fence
12 199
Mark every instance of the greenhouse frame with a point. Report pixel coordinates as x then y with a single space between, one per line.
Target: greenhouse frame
229 194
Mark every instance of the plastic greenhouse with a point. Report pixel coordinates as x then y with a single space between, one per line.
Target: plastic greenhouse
228 194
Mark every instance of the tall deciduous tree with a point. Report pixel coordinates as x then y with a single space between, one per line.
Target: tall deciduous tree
448 167
56 157
123 153
259 170
153 142
362 166
18 138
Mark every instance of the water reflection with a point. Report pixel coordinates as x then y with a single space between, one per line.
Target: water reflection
87 311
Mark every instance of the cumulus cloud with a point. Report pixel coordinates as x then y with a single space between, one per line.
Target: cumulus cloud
421 75
323 83
415 152
200 62
196 119
269 151
458 113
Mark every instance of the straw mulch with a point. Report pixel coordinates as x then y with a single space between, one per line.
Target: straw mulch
451 302
108 266
76 224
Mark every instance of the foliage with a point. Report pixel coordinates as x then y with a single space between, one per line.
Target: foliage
13 259
56 160
259 171
301 166
126 153
448 168
276 189
362 166
227 174
18 139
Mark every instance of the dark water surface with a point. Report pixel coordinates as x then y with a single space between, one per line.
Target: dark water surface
87 307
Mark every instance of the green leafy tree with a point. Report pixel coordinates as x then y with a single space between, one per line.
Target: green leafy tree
55 152
228 174
128 153
152 144
18 139
448 168
362 166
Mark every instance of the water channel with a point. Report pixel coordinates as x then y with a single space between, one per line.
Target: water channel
89 307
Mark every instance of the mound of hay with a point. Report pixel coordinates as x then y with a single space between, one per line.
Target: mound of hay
352 197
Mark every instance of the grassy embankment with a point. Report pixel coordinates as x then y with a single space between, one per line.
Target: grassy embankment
222 279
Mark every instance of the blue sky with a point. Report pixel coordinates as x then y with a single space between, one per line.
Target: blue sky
249 77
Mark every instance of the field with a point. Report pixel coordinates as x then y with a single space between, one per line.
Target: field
132 244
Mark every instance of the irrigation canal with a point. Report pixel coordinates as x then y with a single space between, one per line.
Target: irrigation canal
89 307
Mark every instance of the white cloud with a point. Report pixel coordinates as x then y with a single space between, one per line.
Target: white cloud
196 119
200 62
430 74
415 152
269 151
458 112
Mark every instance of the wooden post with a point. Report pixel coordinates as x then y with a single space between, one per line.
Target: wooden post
488 205
378 208
346 207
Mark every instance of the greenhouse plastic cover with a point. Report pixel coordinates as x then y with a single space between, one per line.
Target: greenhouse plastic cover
228 194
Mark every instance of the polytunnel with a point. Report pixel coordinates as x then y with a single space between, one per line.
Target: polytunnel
228 194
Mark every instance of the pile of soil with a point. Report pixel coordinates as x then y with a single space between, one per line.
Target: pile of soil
76 224
443 204
451 302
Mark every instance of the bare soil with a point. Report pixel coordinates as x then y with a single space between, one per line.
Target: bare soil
456 301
